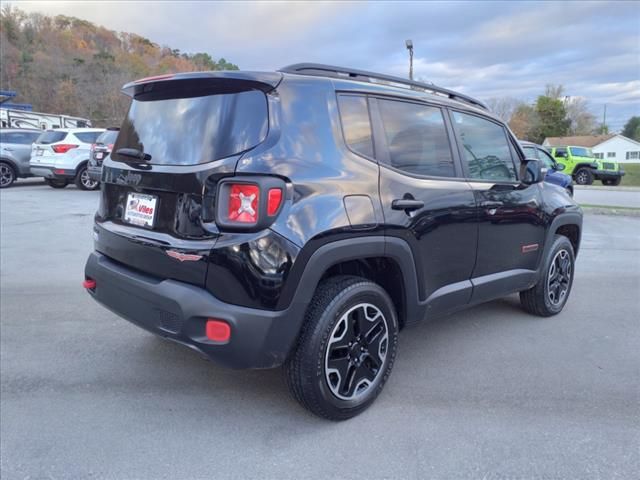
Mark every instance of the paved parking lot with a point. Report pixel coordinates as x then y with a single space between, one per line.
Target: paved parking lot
490 393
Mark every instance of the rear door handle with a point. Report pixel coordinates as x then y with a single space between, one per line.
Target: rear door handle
406 204
7 149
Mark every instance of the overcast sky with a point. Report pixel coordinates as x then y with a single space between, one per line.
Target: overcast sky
490 49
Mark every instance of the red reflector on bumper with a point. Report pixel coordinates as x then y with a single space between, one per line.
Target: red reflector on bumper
90 284
218 331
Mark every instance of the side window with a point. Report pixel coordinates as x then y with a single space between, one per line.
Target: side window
88 137
20 138
530 152
354 114
546 158
485 148
561 152
417 138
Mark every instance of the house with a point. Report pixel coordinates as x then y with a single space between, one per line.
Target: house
613 146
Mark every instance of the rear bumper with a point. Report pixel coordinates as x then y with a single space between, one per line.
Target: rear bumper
179 311
52 172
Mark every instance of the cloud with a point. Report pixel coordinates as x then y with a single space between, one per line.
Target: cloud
487 49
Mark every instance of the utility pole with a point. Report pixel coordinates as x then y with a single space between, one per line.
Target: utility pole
409 45
604 119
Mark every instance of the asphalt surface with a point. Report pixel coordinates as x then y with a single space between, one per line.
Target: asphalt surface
608 196
490 393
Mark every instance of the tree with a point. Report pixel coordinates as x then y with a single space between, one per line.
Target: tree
581 120
632 129
523 122
552 119
503 107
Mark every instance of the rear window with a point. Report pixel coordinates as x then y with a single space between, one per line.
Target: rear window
51 137
108 137
189 131
87 137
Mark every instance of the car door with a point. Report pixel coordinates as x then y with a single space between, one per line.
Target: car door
510 219
18 147
424 199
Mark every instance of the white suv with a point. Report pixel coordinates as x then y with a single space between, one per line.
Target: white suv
61 156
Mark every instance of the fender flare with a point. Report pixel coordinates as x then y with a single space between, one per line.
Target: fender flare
339 251
564 218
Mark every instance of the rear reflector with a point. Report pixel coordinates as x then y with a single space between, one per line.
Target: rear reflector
58 171
89 284
273 201
243 203
218 331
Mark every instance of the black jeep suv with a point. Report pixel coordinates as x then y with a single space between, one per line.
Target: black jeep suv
303 217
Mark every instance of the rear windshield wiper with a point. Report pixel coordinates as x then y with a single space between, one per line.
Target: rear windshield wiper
134 153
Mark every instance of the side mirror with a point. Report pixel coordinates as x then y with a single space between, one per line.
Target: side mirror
531 171
559 167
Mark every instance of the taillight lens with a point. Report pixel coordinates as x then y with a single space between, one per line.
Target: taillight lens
63 147
110 146
244 200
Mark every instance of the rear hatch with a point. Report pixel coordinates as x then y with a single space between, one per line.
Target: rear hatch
180 136
42 149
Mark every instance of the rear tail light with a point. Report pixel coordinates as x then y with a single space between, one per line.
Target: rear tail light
93 147
244 200
110 146
249 203
63 147
89 284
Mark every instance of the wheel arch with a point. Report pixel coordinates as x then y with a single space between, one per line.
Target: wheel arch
11 163
568 224
386 261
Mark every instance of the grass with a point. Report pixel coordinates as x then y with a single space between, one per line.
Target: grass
632 174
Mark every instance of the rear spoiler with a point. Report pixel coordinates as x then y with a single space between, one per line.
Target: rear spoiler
200 83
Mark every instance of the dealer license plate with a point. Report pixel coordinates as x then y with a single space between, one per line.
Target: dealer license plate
140 209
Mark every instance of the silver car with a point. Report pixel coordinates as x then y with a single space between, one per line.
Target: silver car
15 151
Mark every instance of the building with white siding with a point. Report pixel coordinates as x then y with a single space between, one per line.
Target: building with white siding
613 147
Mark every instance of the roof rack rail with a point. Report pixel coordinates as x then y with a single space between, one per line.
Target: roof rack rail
321 70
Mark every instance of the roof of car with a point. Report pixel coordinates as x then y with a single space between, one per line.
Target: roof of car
8 129
74 130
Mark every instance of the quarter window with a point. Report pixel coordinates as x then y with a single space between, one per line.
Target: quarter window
417 138
354 114
485 148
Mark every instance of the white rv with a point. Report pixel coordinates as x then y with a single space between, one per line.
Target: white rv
10 118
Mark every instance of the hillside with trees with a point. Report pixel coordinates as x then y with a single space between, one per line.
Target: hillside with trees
67 65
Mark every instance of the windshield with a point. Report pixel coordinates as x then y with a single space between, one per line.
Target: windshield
581 152
188 131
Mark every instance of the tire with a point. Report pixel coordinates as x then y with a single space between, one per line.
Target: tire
7 175
584 176
613 182
56 183
84 182
549 296
339 306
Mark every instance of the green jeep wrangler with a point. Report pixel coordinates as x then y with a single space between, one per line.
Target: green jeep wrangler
580 163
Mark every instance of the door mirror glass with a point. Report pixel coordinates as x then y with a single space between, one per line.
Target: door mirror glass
531 171
559 167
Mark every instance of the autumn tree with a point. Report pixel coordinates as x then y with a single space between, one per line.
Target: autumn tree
632 129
